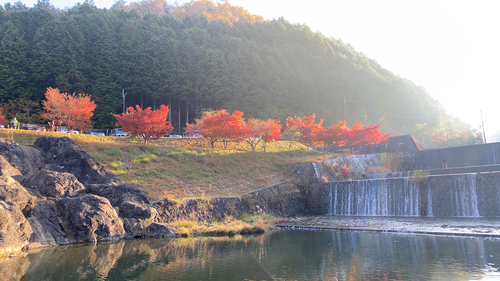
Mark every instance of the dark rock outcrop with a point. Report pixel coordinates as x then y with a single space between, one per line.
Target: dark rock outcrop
15 230
14 193
117 194
89 218
56 184
54 193
47 225
63 155
27 160
56 208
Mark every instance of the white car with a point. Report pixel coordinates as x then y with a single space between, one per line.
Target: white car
65 130
118 132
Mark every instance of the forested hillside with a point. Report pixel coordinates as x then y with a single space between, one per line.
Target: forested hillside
200 56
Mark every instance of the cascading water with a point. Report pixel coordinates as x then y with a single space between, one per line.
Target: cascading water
396 197
403 197
317 170
463 193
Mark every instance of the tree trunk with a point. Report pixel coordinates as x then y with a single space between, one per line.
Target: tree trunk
179 114
170 109
187 113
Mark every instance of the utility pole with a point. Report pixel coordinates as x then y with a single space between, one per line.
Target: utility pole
345 109
123 95
482 125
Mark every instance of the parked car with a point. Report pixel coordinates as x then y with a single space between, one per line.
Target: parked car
96 133
193 135
33 127
118 132
174 136
65 130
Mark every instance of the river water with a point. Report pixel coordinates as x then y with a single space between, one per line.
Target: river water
276 255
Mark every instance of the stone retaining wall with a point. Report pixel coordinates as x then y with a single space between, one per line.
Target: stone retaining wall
282 200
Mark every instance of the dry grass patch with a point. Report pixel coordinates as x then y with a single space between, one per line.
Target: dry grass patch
228 227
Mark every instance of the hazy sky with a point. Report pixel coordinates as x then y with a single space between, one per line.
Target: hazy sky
451 48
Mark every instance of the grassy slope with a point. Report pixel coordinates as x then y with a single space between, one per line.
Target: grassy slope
186 168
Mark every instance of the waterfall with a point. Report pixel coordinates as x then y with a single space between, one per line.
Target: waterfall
404 197
429 201
463 191
396 197
317 171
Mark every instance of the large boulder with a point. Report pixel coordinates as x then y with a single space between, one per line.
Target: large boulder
131 201
56 184
46 225
7 170
15 230
63 155
14 193
27 160
89 218
138 228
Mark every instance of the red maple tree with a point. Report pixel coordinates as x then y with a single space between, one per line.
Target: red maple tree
360 135
331 135
147 123
272 131
3 121
257 130
73 110
81 110
304 126
219 125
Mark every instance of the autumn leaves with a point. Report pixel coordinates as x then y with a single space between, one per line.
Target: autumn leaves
75 111
147 124
72 110
221 126
305 131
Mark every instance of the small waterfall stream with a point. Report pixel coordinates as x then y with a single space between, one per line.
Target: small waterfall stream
404 197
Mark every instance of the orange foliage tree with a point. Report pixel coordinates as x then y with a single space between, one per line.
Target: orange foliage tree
147 123
3 121
360 135
331 135
304 126
219 125
257 130
73 110
272 132
216 12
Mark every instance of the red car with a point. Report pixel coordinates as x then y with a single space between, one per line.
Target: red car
33 127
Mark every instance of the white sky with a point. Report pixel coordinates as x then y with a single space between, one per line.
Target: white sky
451 48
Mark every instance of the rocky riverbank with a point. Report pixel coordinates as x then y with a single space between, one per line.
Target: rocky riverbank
54 193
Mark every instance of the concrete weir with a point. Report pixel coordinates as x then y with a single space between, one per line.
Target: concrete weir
455 196
461 204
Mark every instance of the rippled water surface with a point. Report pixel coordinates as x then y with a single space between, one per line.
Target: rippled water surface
278 255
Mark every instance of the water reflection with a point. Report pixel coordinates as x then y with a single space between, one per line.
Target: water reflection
279 255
